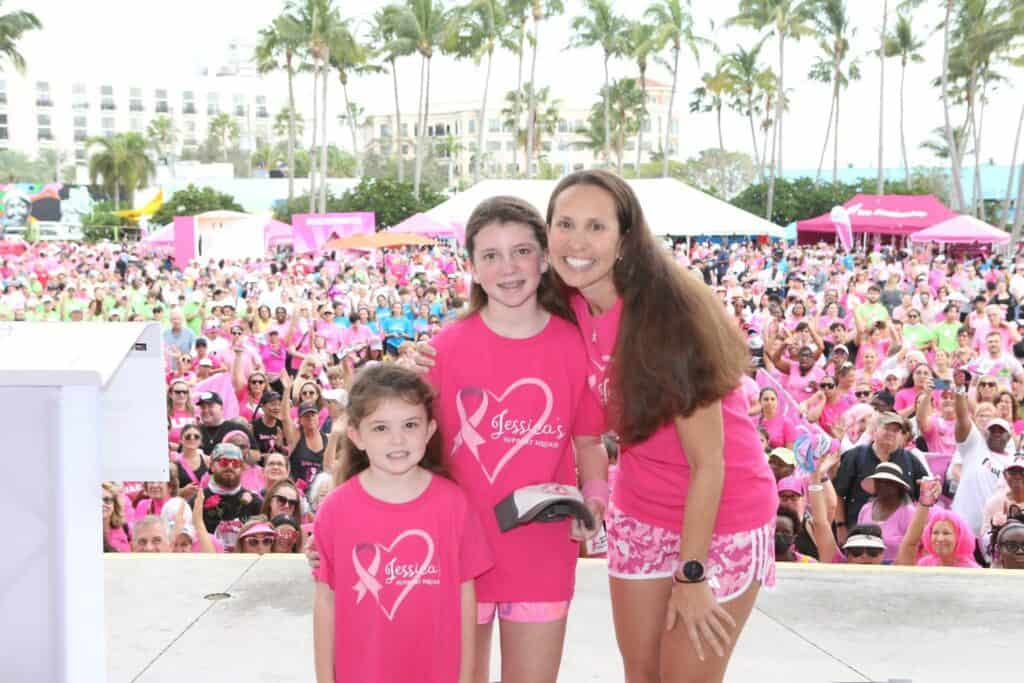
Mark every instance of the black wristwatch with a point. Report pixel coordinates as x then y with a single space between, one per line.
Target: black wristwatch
692 571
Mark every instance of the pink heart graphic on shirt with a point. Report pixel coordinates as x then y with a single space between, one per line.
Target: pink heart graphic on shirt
468 423
368 581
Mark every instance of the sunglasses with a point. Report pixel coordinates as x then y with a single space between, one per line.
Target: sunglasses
857 552
180 392
828 385
191 437
1012 547
913 316
313 393
257 381
257 541
862 394
107 500
285 500
986 384
229 462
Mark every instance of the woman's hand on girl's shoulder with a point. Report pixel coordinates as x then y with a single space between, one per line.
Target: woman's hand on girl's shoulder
425 357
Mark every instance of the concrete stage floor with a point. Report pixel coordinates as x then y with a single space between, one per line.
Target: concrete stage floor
821 624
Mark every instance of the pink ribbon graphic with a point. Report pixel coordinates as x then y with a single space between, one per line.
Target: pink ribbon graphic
467 426
367 581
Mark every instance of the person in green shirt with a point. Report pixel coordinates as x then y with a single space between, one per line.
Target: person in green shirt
869 313
915 333
946 331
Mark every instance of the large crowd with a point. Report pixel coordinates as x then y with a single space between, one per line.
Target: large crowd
886 388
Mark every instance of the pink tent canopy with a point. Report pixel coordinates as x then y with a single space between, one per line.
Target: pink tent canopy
962 230
888 214
422 224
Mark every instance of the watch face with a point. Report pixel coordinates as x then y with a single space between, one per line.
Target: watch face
693 570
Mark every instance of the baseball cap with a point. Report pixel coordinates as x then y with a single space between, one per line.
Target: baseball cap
226 450
841 347
888 418
210 396
999 422
784 454
1016 462
270 396
542 503
791 484
337 395
307 408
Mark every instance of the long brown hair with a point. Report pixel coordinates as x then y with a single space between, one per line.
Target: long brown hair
677 349
503 210
379 383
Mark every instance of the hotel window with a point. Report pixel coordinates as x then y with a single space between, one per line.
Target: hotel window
43 126
107 126
190 133
135 97
239 103
81 155
188 102
212 104
81 126
161 102
3 127
493 145
79 96
385 130
261 107
510 146
563 126
135 124
472 125
107 98
494 125
43 94
3 92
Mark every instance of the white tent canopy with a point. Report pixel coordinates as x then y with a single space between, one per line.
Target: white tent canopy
671 207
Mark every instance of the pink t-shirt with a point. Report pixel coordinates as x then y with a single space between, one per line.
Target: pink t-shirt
273 360
781 430
178 420
149 507
941 435
397 571
654 475
831 413
893 529
118 540
507 411
797 384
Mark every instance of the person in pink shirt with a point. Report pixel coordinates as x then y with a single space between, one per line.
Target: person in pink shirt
116 537
938 427
157 493
273 354
180 411
692 517
781 428
890 506
937 538
399 545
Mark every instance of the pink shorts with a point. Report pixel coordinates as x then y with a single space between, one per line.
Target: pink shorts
522 612
637 550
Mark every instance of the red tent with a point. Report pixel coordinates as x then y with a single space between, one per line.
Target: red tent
887 214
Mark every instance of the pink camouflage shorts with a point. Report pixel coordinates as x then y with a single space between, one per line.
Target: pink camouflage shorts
637 550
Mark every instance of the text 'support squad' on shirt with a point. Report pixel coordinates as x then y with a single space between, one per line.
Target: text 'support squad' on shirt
654 475
507 411
396 571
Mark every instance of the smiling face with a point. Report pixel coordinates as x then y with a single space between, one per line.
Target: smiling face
394 436
1011 548
943 539
584 240
507 262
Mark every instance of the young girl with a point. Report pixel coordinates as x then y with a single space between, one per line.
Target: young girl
399 546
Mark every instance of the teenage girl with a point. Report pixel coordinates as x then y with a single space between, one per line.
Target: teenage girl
399 546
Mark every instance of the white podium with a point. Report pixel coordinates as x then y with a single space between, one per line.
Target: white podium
80 403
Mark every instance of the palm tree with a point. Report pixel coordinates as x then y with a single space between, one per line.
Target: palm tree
476 31
349 56
711 95
541 10
13 26
640 45
121 161
162 136
785 19
281 41
902 43
223 130
674 26
938 146
287 121
600 26
951 141
751 81
389 47
880 188
518 13
545 123
833 26
626 106
423 23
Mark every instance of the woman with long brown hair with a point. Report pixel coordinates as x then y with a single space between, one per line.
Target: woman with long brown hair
667 363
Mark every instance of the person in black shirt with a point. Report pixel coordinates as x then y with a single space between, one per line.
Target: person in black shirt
227 505
889 438
267 428
212 422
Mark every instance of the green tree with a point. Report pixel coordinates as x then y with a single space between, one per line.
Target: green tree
601 26
162 137
17 167
545 118
194 200
389 46
834 30
716 87
540 10
350 56
223 133
786 19
751 82
476 31
286 120
640 45
13 27
675 30
277 47
122 163
902 43
624 102
101 223
390 201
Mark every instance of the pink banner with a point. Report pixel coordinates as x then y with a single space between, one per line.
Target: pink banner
221 383
844 230
184 240
312 230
